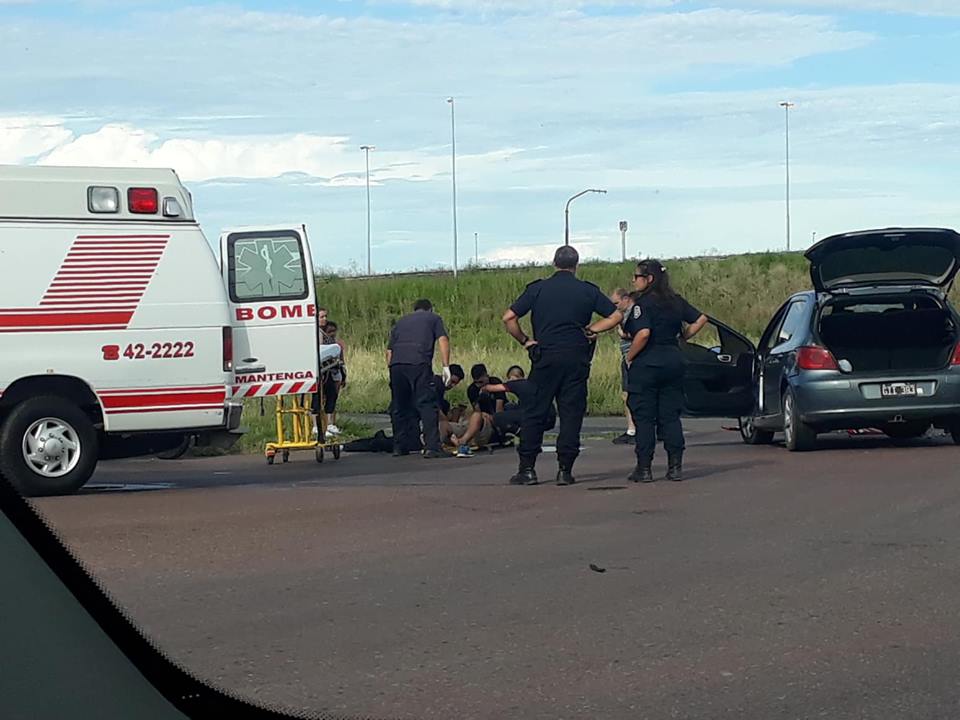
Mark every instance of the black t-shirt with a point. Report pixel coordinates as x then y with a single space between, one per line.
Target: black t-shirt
413 337
562 306
441 388
485 402
664 321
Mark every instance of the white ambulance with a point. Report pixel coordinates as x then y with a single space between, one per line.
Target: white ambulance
120 333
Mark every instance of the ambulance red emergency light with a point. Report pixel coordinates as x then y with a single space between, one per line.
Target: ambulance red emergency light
120 332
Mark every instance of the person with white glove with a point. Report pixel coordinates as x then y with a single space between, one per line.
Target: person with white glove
413 389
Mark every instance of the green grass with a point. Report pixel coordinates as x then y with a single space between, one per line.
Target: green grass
742 291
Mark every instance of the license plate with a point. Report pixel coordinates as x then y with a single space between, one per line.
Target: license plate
899 389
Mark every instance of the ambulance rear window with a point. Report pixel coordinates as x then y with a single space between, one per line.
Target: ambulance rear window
266 266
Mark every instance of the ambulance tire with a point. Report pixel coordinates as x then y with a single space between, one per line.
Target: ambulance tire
15 467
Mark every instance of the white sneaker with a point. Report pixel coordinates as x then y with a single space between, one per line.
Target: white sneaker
333 430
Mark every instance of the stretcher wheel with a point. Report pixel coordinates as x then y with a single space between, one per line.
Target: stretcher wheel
319 454
286 456
269 459
336 452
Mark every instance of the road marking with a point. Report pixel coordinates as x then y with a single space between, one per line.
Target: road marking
127 487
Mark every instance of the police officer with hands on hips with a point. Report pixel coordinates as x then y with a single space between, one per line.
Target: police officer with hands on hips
656 366
413 390
561 309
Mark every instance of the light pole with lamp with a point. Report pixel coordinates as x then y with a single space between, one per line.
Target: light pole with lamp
366 150
453 164
786 105
566 212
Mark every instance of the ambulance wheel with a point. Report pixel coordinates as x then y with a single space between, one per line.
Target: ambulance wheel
286 456
336 452
270 459
48 446
319 454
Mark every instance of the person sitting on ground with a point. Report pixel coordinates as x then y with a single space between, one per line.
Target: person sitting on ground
463 430
456 377
485 402
508 421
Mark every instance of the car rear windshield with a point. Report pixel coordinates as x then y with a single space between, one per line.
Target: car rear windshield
902 262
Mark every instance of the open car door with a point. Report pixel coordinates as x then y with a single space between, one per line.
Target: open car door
268 272
719 378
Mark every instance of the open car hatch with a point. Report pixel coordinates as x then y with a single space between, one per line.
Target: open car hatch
896 256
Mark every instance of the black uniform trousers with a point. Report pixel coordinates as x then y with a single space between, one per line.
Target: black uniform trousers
413 398
656 401
560 377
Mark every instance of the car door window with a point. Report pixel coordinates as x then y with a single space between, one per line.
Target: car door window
769 338
792 322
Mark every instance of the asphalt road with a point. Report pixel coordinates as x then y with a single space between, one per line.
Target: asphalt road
769 585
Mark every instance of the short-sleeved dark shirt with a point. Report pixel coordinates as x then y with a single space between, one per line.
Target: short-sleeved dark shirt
442 403
413 337
664 321
561 306
485 402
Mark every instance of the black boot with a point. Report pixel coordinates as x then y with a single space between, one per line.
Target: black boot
642 473
526 475
675 467
565 477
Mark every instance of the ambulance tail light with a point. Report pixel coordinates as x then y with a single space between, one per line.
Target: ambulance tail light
143 201
228 349
816 358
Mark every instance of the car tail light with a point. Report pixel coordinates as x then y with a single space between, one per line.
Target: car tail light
955 360
143 201
816 358
228 349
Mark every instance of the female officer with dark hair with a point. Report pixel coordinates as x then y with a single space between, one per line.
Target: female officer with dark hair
656 367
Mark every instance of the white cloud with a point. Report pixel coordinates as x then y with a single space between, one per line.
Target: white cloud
24 138
318 160
907 7
525 254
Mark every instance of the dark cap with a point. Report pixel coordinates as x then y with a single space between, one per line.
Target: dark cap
566 258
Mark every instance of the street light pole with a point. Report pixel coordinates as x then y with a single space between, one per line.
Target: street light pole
566 212
366 150
476 248
786 105
623 241
453 164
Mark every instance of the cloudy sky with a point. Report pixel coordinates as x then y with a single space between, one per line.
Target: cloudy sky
670 105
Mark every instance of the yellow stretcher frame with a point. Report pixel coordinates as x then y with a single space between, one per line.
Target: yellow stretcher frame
294 412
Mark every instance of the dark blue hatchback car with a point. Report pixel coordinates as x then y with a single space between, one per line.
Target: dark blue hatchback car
873 345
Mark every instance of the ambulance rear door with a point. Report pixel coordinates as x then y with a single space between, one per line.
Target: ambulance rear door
268 272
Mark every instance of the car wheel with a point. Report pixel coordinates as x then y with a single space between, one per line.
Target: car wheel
751 435
798 435
48 446
906 431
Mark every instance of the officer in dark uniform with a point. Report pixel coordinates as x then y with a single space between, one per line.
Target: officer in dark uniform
561 308
656 367
413 389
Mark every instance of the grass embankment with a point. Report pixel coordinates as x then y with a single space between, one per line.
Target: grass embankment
742 291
